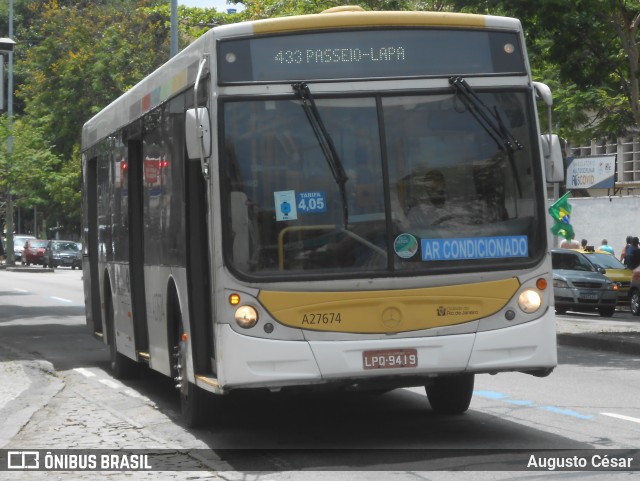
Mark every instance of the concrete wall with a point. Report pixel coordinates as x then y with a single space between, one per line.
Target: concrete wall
611 218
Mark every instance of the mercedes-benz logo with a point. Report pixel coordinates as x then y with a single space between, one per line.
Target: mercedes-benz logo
391 316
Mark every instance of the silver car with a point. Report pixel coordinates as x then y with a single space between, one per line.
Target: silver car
579 286
62 253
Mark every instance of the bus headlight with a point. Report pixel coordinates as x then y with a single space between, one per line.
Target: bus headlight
529 301
246 316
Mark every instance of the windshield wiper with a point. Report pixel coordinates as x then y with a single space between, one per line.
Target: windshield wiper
326 143
490 120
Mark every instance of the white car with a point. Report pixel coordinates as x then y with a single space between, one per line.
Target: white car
19 241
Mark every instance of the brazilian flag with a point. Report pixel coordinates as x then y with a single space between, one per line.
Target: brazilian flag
561 213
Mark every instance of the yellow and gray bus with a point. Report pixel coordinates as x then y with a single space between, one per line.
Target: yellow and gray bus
349 200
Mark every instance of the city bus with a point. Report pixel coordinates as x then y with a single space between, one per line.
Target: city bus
349 200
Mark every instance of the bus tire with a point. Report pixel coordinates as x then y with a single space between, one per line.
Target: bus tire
635 302
451 394
121 366
193 400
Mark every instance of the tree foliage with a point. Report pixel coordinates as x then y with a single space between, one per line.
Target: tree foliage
587 51
81 57
27 164
75 58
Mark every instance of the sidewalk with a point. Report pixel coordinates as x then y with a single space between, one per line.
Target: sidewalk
601 333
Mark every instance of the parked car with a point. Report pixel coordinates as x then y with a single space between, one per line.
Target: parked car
62 253
579 286
19 240
615 270
33 252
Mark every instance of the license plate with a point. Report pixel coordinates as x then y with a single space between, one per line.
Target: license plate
589 295
390 358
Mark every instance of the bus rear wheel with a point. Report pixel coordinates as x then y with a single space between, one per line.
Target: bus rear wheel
450 394
121 366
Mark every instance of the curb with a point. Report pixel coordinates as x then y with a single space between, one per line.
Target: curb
624 343
26 269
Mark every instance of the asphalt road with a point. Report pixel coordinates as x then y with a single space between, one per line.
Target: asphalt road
58 393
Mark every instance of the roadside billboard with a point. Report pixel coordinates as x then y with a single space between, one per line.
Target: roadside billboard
591 172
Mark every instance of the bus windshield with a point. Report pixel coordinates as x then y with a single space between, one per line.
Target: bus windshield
429 188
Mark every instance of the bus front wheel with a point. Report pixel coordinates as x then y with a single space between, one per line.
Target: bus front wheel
193 400
450 394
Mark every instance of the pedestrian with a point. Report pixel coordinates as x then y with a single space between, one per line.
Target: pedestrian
633 254
606 247
570 244
623 253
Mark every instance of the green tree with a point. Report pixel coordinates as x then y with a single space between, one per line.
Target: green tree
82 57
588 52
28 167
73 58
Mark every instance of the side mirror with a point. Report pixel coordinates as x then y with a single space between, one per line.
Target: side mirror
198 133
544 92
553 163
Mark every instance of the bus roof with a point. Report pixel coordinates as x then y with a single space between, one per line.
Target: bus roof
349 19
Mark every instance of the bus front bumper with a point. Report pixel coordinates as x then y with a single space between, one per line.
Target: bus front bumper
249 362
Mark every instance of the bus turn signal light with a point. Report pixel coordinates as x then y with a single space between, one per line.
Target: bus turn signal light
234 299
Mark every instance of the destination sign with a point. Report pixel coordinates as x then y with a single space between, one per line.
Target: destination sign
358 54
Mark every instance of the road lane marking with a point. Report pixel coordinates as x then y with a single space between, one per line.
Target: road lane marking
520 402
566 412
498 396
84 372
110 383
20 290
490 394
130 392
620 416
121 388
61 299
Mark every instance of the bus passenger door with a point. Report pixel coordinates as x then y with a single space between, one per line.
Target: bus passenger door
198 267
136 243
91 277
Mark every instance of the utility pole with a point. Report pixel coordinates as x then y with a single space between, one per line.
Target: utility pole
174 28
6 46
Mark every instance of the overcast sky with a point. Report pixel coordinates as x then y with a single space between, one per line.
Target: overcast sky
219 5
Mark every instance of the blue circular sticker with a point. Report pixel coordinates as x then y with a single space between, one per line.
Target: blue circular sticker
405 246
